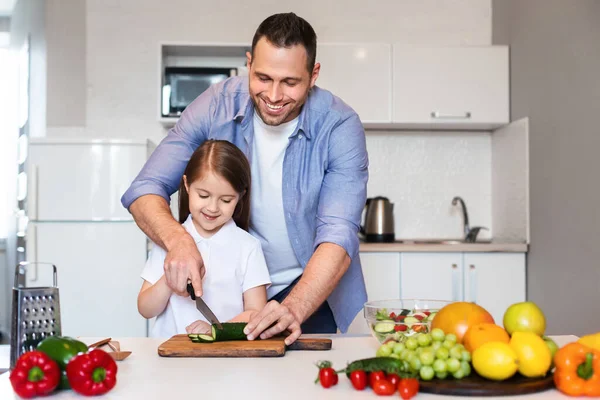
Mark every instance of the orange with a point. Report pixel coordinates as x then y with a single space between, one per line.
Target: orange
459 316
483 333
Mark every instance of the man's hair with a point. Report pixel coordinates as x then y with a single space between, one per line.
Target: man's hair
287 30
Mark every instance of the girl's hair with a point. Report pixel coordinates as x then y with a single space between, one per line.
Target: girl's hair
227 161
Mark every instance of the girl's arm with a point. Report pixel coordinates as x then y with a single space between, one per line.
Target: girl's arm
153 299
255 300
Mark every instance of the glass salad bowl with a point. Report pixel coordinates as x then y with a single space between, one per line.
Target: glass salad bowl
399 319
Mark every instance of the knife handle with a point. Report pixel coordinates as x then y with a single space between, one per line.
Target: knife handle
190 290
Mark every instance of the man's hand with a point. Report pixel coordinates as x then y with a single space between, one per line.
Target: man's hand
274 318
184 261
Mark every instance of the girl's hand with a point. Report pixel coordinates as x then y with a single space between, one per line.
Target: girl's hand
199 327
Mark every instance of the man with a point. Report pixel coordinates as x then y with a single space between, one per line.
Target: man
309 172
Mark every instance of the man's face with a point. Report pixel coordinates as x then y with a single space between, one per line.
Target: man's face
212 203
279 81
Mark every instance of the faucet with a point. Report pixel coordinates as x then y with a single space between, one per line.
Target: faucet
470 233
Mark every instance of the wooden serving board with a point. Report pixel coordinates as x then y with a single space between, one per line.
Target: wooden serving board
475 385
182 346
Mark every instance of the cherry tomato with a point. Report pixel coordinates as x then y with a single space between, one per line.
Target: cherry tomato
327 375
376 376
358 379
383 387
394 379
408 388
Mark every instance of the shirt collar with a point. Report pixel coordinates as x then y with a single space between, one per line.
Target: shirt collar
219 237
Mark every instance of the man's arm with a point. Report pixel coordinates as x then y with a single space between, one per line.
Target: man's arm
153 215
148 196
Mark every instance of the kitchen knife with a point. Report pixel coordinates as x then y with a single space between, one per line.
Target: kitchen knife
203 308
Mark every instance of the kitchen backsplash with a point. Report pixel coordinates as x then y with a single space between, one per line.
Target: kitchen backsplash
420 172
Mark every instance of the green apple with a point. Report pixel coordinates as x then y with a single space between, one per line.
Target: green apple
524 317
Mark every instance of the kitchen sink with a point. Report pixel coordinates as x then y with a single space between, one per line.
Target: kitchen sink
445 241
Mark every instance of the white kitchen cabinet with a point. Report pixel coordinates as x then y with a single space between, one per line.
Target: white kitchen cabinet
433 276
450 87
382 277
361 75
494 280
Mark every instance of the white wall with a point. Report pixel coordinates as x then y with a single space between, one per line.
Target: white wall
555 59
121 79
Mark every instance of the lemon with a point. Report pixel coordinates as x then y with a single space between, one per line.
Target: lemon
534 357
495 360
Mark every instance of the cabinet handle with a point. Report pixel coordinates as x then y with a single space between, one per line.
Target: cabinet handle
33 203
455 282
473 283
439 115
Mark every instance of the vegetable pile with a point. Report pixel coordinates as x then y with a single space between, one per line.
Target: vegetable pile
63 363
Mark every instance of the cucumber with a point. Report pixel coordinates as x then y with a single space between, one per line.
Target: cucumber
387 364
230 331
384 326
201 338
410 321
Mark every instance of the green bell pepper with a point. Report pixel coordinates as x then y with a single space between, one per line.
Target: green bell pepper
61 349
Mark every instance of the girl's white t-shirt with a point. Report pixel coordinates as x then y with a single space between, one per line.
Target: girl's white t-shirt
234 263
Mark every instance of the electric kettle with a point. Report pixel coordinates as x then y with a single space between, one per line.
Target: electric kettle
378 220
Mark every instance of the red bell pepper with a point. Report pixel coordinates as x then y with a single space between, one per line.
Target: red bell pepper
92 373
35 374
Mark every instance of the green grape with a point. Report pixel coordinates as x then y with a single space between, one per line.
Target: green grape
439 365
415 364
458 374
390 344
452 365
441 375
424 340
426 373
405 354
451 337
436 345
394 355
411 343
466 368
419 350
427 357
383 351
466 356
438 335
398 347
456 352
448 344
442 353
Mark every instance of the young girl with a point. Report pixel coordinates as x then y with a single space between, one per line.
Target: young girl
214 207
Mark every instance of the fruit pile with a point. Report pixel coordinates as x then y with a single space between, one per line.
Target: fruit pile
430 355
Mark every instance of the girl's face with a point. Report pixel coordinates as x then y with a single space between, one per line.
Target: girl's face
212 202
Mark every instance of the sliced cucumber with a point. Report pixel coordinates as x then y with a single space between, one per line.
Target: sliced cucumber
384 326
430 317
230 331
410 321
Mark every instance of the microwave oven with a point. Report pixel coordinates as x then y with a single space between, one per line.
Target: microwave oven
183 84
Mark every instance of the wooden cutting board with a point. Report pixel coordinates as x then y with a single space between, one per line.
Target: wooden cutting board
475 385
182 346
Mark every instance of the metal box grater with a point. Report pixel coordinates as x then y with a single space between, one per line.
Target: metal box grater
35 313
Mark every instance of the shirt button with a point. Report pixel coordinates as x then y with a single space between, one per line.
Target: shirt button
300 136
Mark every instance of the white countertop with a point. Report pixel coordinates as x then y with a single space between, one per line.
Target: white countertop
145 375
407 246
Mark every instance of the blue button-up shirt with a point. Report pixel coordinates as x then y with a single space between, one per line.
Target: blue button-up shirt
325 173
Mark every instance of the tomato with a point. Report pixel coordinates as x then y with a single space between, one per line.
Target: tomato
408 388
392 315
358 379
383 387
419 317
327 375
394 379
376 376
400 328
400 318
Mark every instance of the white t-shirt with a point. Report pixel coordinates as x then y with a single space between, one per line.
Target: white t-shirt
267 221
234 263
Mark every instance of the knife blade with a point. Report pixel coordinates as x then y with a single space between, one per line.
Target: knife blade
203 307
